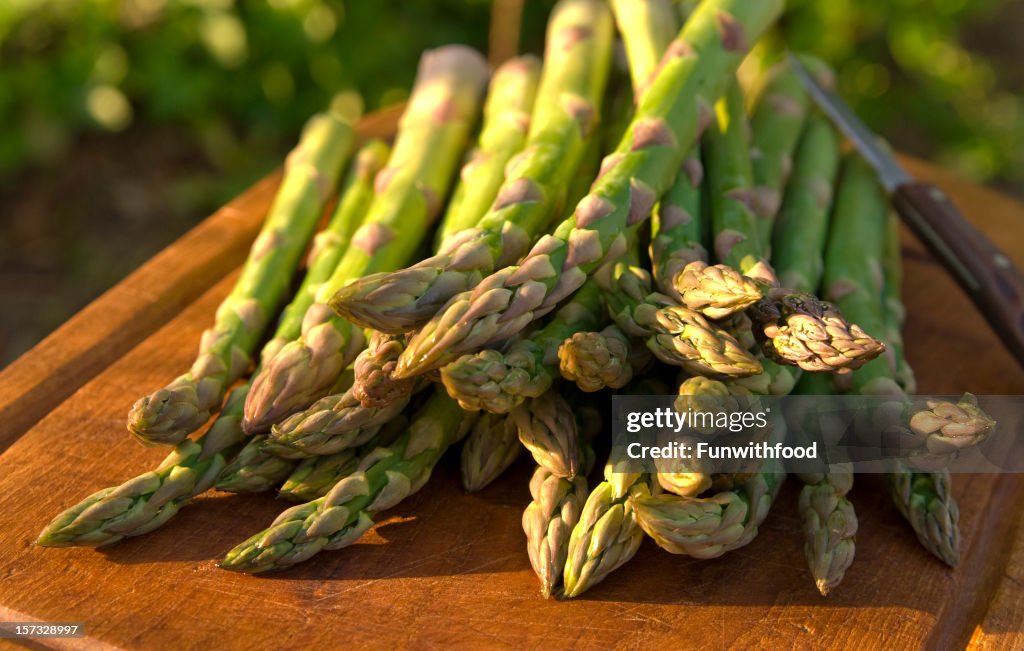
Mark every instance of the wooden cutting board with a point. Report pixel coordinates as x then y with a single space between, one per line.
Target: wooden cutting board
447 569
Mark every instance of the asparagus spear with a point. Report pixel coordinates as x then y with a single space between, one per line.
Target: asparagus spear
853 278
793 328
548 522
385 477
677 228
647 27
597 360
490 448
676 335
682 477
829 525
607 534
776 124
374 386
555 508
853 275
942 428
709 527
547 428
892 268
829 518
502 136
738 241
498 382
315 476
329 245
332 424
221 454
146 502
431 135
252 470
800 234
167 416
572 83
667 123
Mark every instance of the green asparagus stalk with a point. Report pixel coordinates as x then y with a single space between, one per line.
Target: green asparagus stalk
853 278
829 518
572 83
738 240
329 245
503 134
668 121
374 386
409 194
675 335
892 268
498 382
594 360
793 328
316 476
829 525
590 162
738 186
252 470
802 229
167 416
800 329
547 428
739 243
677 228
144 503
332 424
490 448
681 477
925 501
647 27
548 522
385 477
607 534
597 360
776 123
709 527
690 477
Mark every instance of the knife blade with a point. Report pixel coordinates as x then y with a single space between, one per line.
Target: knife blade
986 273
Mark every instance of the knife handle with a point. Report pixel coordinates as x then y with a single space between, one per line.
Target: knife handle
987 274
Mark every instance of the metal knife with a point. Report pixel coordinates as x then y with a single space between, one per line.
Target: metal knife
987 274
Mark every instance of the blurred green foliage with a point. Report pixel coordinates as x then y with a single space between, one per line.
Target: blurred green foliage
242 75
938 77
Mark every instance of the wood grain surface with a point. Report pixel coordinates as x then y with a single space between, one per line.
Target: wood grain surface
447 569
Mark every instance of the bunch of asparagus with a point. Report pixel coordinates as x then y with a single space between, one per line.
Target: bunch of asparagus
544 280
